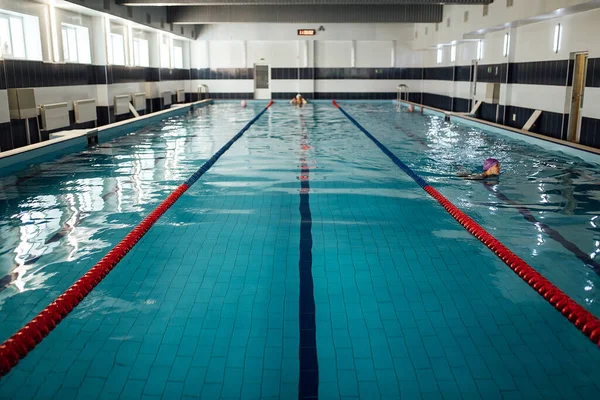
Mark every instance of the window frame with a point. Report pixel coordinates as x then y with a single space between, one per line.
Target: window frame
137 59
112 46
8 17
175 64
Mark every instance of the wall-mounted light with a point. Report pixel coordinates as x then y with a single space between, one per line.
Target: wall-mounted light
557 37
506 44
440 54
479 49
453 53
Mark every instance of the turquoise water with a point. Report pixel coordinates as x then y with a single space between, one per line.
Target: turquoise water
212 302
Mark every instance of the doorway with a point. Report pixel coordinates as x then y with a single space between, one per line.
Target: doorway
579 74
262 90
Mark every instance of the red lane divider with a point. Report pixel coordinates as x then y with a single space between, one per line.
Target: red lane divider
21 343
574 312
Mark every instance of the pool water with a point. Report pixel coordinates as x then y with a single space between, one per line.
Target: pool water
304 263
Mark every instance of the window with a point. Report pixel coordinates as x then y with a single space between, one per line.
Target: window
177 57
453 53
76 44
165 59
12 36
140 53
118 49
439 55
506 46
557 37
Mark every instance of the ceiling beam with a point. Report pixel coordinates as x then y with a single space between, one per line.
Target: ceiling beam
301 14
292 2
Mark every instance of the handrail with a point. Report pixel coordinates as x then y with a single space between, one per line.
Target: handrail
200 88
400 90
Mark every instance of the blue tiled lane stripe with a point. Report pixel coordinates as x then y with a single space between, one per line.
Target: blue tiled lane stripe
308 385
210 162
420 181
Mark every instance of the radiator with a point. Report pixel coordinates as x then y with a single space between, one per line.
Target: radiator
55 116
139 101
181 95
121 104
85 110
167 98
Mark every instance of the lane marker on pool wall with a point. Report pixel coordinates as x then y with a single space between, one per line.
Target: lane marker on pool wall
308 384
574 312
21 343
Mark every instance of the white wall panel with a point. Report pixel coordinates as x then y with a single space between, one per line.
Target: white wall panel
591 103
292 85
199 57
332 54
226 86
541 97
357 85
445 88
60 94
226 54
373 54
462 90
275 53
119 89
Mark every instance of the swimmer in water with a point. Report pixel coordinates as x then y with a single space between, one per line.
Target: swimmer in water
491 169
298 100
244 104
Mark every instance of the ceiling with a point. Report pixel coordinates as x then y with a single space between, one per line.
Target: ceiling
301 11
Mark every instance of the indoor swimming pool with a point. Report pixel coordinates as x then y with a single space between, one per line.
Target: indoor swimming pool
304 263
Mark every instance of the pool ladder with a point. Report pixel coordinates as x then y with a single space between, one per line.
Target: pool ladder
401 90
203 89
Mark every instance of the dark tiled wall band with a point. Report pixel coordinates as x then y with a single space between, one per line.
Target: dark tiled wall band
439 74
549 123
590 132
222 73
539 73
593 73
463 73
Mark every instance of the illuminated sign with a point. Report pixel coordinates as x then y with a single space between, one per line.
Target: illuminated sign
306 32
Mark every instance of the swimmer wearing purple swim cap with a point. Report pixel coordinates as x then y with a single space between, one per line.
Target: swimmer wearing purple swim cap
491 169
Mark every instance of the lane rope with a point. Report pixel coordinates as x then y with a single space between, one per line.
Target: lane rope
27 338
583 320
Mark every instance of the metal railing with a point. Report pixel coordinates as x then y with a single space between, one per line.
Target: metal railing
401 90
203 89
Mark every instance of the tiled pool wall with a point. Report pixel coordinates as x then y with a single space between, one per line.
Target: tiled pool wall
426 86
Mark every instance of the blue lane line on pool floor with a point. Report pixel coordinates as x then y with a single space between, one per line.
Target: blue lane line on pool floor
308 384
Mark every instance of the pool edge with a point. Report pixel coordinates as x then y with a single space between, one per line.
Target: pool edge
67 142
589 154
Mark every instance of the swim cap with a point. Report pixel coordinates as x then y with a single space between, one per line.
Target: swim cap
489 163
298 95
243 103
